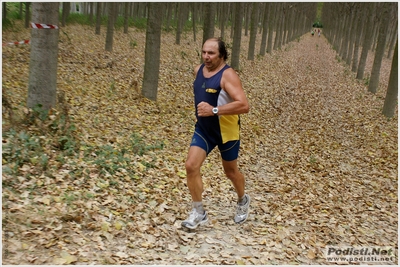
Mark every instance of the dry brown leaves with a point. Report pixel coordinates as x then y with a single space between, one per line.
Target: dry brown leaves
319 158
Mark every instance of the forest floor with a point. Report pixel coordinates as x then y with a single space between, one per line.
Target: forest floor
320 160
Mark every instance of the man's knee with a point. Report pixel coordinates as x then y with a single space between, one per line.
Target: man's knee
192 166
232 173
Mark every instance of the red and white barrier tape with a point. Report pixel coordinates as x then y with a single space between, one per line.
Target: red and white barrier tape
43 26
34 26
17 43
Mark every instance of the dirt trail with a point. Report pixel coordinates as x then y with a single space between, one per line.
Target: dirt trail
321 168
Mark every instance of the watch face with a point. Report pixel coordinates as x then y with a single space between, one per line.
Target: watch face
215 110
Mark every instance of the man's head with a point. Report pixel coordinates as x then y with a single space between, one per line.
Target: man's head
214 53
223 53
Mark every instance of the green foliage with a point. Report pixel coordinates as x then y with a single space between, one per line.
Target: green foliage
111 90
312 159
119 22
133 44
20 148
41 138
112 158
12 14
51 143
7 24
138 146
140 23
39 112
318 24
13 10
76 18
366 80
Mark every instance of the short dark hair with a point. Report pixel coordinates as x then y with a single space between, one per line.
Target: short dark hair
223 53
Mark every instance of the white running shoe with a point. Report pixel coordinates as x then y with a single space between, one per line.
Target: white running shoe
242 211
195 219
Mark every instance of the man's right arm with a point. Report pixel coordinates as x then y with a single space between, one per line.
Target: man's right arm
196 69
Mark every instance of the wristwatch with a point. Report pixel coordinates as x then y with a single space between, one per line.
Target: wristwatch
215 111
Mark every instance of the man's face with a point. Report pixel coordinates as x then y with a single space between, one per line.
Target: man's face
210 55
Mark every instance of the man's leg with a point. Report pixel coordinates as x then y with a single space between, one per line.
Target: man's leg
238 181
195 159
233 173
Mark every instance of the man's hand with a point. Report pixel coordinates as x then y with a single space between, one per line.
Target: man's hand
204 109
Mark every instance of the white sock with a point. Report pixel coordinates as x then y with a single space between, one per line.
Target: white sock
242 200
198 206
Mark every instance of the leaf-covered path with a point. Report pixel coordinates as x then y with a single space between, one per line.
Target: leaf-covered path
319 158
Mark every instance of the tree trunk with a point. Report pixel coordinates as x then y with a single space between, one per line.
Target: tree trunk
237 35
152 51
359 31
367 41
209 21
350 37
20 11
42 88
271 26
267 13
253 30
224 10
279 28
66 6
169 7
110 26
4 10
285 23
393 36
233 19
98 17
181 16
126 17
390 104
194 20
91 7
27 14
247 9
346 37
380 49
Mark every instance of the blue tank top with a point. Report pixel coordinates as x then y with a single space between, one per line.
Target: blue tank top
219 129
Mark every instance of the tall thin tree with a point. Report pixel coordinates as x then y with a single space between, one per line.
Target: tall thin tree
98 17
126 16
271 24
152 51
367 40
360 19
237 35
390 104
209 20
66 7
42 89
380 48
27 14
194 20
253 30
263 46
110 26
